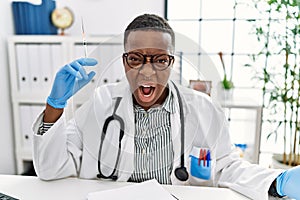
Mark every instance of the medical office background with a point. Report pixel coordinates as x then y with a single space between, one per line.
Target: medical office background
217 26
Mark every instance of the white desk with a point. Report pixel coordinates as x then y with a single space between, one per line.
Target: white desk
32 188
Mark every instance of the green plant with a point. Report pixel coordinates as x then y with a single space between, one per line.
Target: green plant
279 77
227 84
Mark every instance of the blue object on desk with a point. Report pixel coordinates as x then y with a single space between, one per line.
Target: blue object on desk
243 147
33 19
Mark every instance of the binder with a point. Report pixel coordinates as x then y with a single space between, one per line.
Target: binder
117 63
106 73
46 75
25 124
36 13
47 26
79 52
22 18
84 93
16 17
33 19
24 83
35 68
36 110
56 57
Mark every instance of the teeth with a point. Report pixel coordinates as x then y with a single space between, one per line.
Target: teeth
146 86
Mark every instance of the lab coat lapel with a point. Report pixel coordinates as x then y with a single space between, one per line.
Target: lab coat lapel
125 111
176 135
175 130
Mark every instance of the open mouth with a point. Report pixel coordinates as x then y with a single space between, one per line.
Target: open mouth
146 90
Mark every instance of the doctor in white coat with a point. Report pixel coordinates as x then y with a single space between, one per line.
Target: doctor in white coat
146 127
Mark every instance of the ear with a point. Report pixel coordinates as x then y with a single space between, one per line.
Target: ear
172 62
124 60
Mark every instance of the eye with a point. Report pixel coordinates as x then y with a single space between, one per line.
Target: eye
135 58
162 59
132 58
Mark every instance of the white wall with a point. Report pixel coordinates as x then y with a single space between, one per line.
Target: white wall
108 16
7 162
100 17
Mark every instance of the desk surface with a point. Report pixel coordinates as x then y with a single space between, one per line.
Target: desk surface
32 188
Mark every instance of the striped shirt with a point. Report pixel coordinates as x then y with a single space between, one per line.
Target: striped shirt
154 154
153 148
44 127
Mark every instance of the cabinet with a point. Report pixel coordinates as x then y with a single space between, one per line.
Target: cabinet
33 63
244 116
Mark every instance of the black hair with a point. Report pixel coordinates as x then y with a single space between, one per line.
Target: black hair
149 22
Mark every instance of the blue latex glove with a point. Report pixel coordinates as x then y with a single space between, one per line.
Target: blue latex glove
288 183
68 80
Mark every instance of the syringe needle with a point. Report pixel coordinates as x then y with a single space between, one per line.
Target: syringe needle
83 39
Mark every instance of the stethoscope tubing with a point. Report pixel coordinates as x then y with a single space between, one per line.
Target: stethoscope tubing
113 117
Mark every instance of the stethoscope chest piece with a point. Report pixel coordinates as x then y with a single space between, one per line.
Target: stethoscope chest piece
181 173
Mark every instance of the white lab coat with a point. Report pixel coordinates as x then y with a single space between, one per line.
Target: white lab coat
71 148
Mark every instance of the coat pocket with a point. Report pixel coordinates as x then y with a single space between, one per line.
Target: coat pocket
201 166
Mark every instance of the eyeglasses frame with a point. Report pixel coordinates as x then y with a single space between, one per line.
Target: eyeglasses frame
171 57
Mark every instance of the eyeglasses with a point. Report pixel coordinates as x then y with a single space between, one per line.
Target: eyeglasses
136 60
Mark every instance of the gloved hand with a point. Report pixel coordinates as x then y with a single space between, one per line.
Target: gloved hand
68 80
288 183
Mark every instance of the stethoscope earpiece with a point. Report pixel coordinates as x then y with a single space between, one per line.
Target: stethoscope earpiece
181 173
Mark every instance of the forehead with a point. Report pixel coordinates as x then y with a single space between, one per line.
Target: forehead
148 40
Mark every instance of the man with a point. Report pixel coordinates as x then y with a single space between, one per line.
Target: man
146 127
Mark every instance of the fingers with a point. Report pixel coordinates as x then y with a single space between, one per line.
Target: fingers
77 66
91 75
69 69
81 83
87 61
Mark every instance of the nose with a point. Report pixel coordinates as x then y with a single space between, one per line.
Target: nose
147 69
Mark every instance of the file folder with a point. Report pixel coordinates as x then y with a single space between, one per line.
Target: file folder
46 75
33 19
36 110
17 19
25 124
117 63
78 51
35 68
24 83
105 59
28 114
56 57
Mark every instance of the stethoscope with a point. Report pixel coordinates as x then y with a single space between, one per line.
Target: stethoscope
180 172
